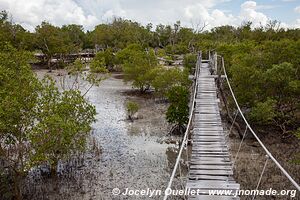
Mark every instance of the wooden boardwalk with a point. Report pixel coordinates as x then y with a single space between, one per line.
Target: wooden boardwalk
210 164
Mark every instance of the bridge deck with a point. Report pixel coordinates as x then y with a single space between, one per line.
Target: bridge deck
210 164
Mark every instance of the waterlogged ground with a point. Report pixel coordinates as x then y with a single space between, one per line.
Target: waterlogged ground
134 155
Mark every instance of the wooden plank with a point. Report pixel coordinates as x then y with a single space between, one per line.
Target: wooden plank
214 144
207 177
209 137
209 149
214 185
211 167
211 152
209 143
199 130
216 159
209 163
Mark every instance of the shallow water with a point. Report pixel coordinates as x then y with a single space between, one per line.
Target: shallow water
133 155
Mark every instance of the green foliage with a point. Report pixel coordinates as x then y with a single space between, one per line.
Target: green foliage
282 80
189 61
38 124
263 112
75 36
49 39
19 90
165 79
178 111
64 123
78 72
14 34
128 53
98 65
163 34
120 33
52 40
161 53
132 108
273 88
263 62
168 60
138 66
107 58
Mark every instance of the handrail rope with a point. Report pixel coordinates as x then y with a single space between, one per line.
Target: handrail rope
240 145
187 129
186 152
261 175
254 134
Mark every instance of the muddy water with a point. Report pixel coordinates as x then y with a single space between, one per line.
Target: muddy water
134 155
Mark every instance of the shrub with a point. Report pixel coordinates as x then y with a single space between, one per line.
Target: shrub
132 108
178 111
189 61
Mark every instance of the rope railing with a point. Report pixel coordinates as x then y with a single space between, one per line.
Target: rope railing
248 127
268 153
185 137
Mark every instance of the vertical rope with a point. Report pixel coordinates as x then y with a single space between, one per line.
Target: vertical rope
180 176
233 122
186 151
254 134
261 175
240 146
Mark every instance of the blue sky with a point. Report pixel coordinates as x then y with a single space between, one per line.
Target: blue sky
275 9
190 12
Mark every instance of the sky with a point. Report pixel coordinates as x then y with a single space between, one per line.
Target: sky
191 13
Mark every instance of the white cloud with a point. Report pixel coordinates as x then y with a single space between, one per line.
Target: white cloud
296 24
297 9
266 7
249 13
33 12
90 12
213 18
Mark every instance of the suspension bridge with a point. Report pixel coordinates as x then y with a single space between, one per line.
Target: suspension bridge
210 164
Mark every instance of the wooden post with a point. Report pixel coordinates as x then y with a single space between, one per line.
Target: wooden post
216 62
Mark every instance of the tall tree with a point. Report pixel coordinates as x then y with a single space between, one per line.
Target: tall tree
53 40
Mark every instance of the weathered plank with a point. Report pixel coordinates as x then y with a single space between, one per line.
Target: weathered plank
214 185
210 164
